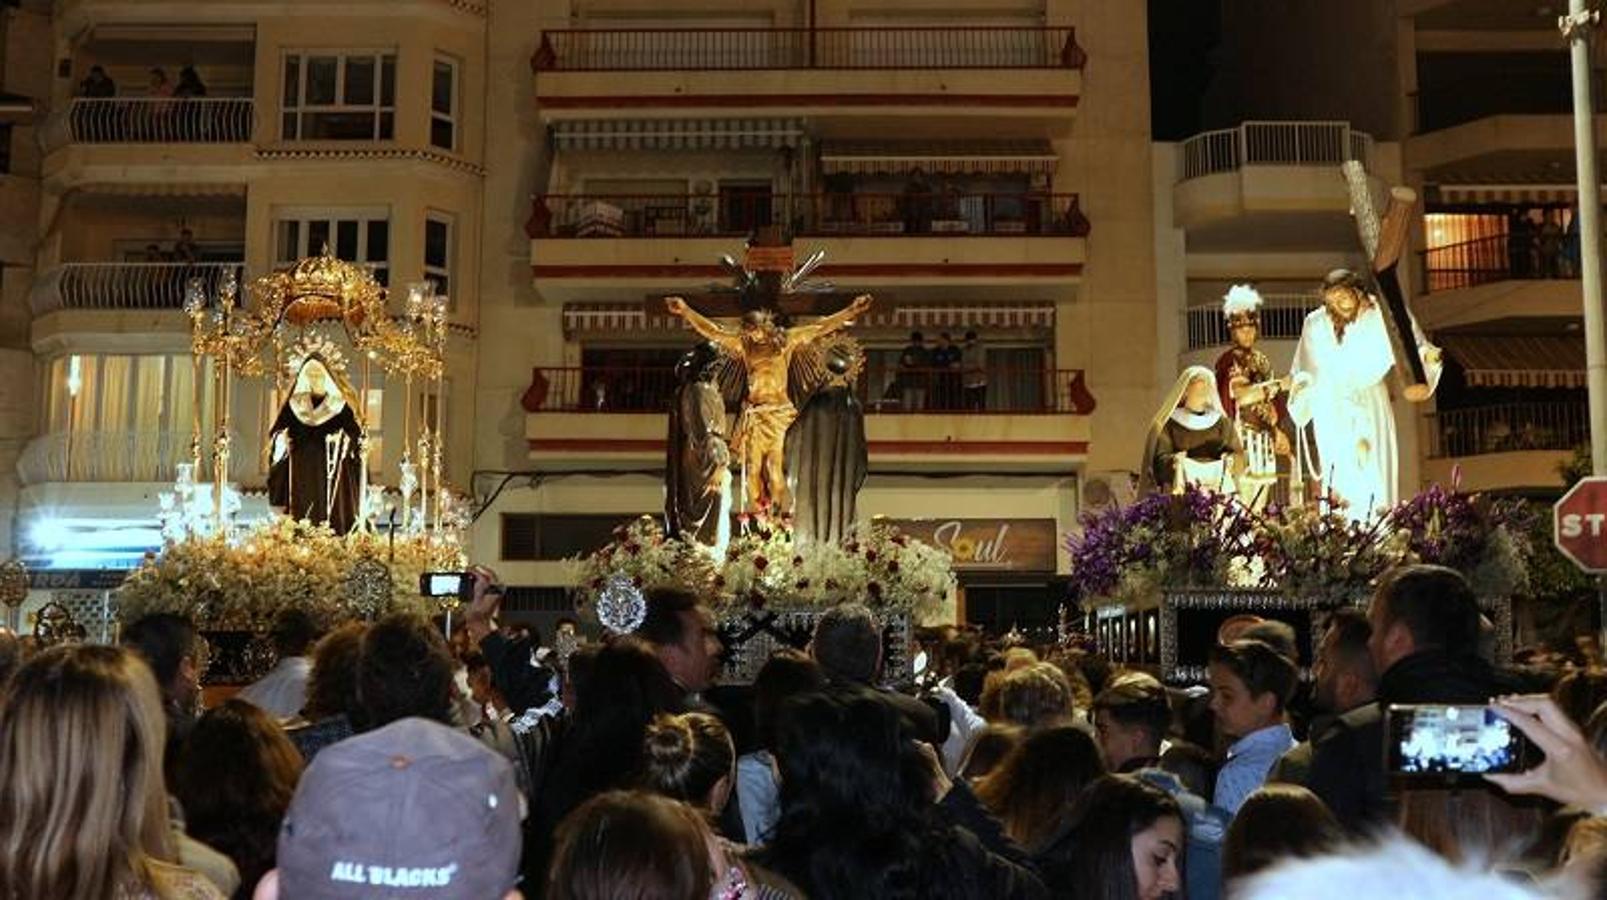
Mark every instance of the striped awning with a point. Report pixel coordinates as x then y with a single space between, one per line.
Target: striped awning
1526 361
632 318
1503 193
948 157
678 134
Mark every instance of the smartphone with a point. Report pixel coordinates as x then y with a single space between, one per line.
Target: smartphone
1450 742
446 584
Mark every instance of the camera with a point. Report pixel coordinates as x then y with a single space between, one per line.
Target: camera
1451 742
447 584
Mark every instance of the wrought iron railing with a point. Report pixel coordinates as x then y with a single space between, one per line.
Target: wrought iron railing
705 49
1507 428
115 456
1274 144
1518 256
161 120
112 285
1282 316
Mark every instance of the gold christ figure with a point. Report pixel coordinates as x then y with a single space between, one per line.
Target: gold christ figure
765 350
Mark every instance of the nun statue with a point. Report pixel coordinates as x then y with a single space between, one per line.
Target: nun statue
316 465
1192 441
697 506
826 459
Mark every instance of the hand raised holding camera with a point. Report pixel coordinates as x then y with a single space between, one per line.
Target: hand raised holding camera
1572 772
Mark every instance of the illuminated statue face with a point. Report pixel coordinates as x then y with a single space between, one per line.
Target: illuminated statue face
1197 396
316 378
1245 334
1342 302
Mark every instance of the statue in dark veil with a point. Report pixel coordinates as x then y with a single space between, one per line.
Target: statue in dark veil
697 504
316 467
825 458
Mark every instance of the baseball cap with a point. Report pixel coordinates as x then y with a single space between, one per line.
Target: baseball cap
413 809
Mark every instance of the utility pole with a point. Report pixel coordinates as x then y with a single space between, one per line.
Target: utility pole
1577 27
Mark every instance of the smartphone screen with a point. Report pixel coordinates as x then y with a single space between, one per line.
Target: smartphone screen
441 584
1447 740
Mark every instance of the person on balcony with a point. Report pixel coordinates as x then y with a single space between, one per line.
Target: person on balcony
97 85
914 371
317 467
974 369
190 85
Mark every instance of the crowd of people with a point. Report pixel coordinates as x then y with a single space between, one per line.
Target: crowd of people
945 377
387 759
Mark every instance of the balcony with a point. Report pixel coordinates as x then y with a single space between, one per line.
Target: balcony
203 139
819 69
1499 277
103 456
588 242
1277 180
1515 445
124 286
1030 420
1282 317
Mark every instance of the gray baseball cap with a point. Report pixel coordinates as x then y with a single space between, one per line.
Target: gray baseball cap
414 809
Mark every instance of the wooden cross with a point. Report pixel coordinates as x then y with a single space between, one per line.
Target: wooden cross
769 255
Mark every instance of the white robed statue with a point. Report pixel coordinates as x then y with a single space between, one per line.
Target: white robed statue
1338 388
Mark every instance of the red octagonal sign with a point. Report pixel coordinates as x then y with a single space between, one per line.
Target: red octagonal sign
1579 523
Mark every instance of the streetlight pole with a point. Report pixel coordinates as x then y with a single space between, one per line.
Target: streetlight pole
1577 27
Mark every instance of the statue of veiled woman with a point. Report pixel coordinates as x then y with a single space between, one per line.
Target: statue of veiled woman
697 503
316 466
826 458
1192 441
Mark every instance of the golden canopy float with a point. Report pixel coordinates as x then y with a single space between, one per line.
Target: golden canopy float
297 326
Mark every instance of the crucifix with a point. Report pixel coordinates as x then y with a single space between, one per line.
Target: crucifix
769 291
1383 238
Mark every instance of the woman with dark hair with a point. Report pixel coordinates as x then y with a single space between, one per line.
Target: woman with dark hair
1033 790
1278 822
989 749
237 776
859 815
1124 843
332 707
690 758
785 675
621 844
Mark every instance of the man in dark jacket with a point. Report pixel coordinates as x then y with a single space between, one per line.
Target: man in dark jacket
848 646
1425 639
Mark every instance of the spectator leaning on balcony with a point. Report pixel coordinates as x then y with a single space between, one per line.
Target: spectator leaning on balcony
185 249
190 85
974 369
98 85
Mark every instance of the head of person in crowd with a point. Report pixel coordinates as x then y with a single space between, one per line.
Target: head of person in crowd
83 813
1343 670
411 809
1277 634
1019 658
1420 609
1250 683
576 671
1033 789
332 682
238 774
1233 627
848 644
1070 665
482 686
1580 693
917 339
624 690
786 674
1132 717
968 681
1389 869
989 748
170 645
681 630
690 757
632 845
1125 842
293 633
1278 822
1036 696
404 669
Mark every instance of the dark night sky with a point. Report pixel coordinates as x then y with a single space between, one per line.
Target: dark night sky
1182 34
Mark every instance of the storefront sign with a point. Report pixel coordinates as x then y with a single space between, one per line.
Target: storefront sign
76 579
988 545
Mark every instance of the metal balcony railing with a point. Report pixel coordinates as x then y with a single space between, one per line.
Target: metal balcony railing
115 456
1507 428
124 285
1274 144
1501 257
163 120
1008 391
707 49
877 214
1282 316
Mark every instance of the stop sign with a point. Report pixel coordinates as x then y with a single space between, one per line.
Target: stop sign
1580 524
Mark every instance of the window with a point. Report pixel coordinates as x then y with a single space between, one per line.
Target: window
339 97
438 253
444 104
355 235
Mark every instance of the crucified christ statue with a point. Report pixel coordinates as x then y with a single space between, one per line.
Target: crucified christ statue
765 350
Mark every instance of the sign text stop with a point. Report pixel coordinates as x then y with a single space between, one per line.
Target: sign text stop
1579 523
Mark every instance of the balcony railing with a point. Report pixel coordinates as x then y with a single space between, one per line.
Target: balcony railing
191 120
1274 144
1507 428
119 456
1281 319
124 285
1008 391
1501 257
708 215
738 49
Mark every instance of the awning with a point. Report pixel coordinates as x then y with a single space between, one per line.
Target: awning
616 318
1517 194
949 157
632 318
678 134
1526 361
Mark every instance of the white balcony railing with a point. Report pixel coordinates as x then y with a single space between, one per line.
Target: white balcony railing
1282 316
111 456
138 120
124 285
1274 144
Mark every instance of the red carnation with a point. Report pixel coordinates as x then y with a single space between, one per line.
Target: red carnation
761 563
719 581
874 589
797 560
597 584
637 581
633 548
803 584
892 565
870 556
756 600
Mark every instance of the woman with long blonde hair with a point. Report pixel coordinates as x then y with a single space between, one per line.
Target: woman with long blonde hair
83 807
